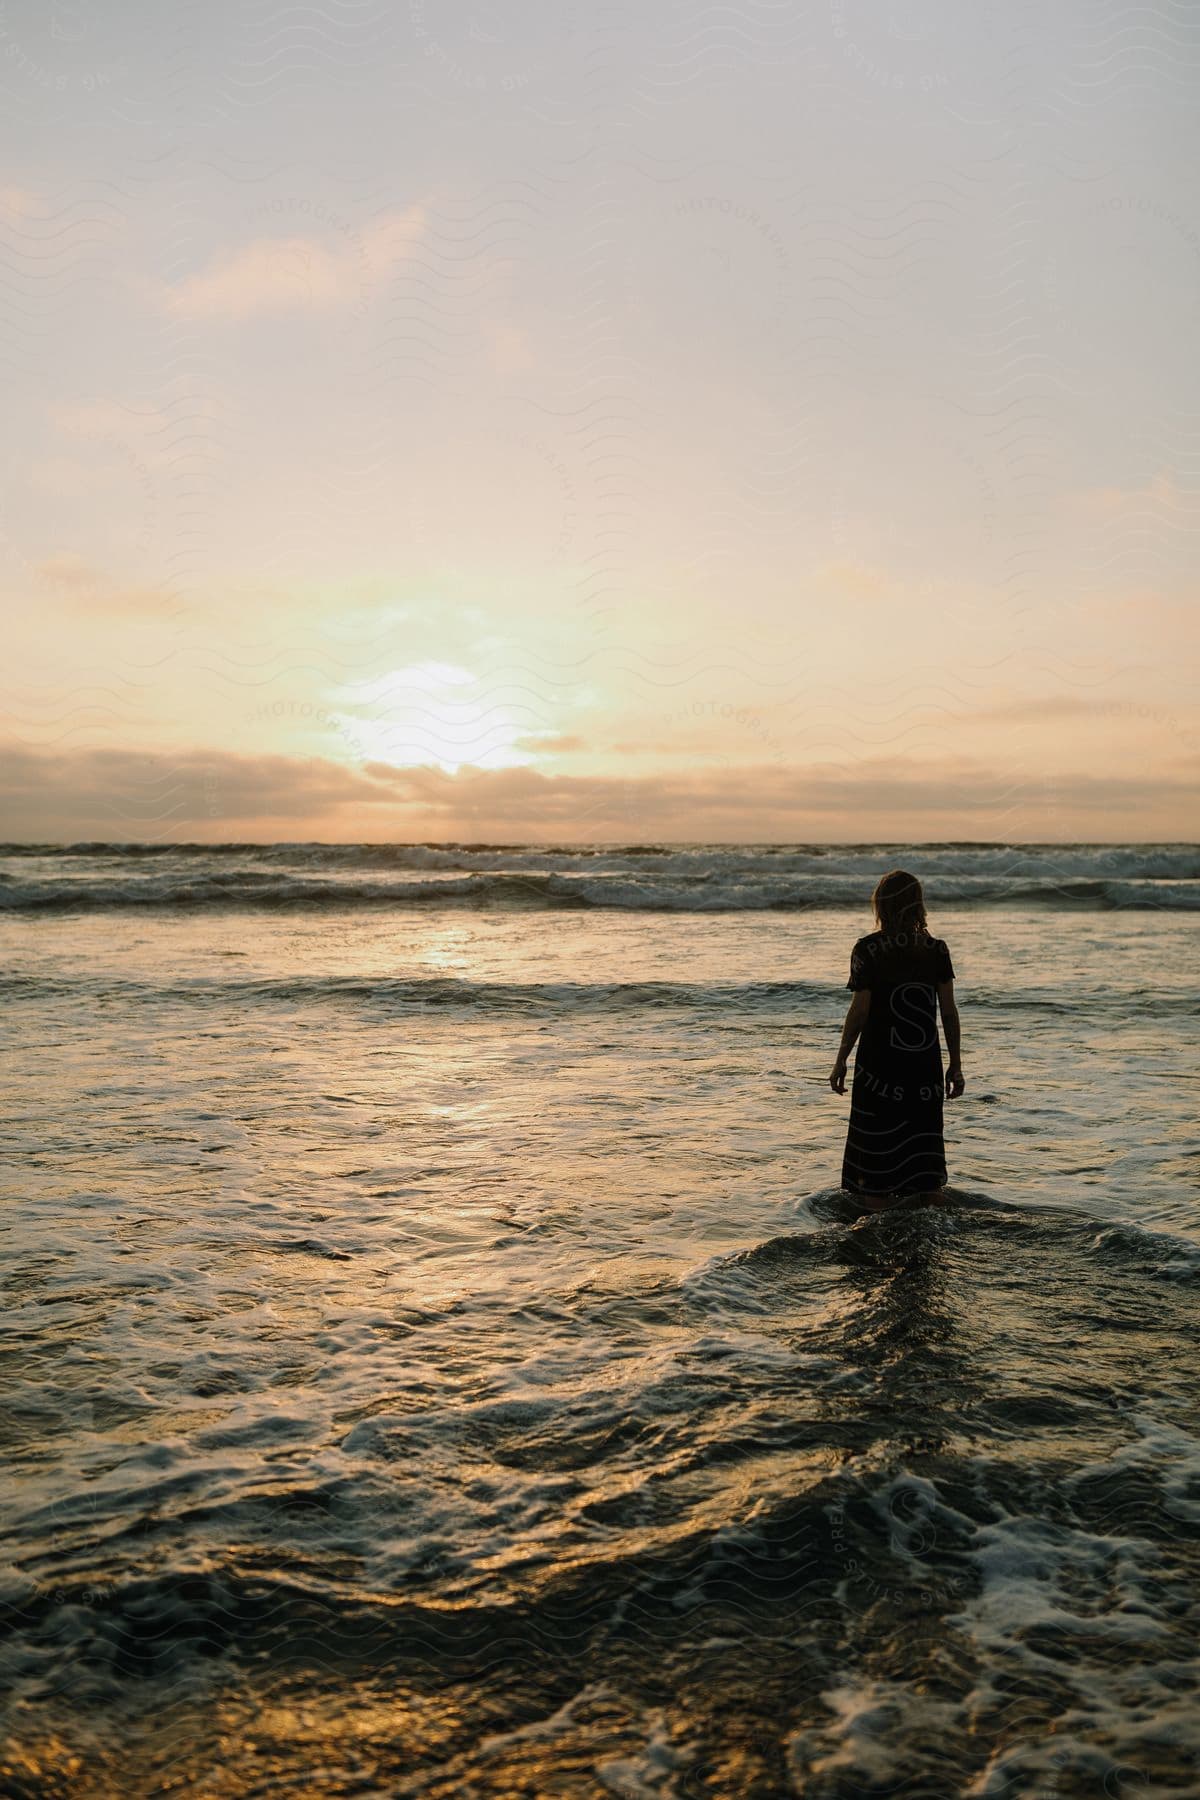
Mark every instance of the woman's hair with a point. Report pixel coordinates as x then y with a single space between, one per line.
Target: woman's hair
899 905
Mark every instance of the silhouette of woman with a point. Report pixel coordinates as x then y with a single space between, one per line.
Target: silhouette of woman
899 975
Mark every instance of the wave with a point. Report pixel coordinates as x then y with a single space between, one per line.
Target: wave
1007 862
971 1219
388 995
436 992
833 1442
693 891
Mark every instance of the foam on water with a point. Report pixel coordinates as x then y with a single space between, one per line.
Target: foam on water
676 878
437 1350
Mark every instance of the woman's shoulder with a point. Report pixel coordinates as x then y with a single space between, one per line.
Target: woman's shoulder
906 944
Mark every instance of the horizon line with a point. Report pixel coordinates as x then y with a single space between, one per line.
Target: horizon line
629 845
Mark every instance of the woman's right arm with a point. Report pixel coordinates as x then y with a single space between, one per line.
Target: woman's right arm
953 1030
856 1018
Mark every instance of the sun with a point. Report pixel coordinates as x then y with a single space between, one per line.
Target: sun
421 715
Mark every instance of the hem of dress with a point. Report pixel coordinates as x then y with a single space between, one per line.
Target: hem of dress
933 1186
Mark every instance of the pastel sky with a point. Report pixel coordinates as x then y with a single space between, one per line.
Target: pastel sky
456 419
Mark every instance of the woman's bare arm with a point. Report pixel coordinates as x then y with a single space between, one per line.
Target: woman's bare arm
953 1030
856 1018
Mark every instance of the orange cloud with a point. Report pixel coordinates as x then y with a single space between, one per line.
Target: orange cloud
855 578
1047 707
21 202
1105 502
83 587
552 743
511 350
296 273
67 571
271 275
197 795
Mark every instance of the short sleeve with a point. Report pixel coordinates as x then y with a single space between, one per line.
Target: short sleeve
945 968
860 969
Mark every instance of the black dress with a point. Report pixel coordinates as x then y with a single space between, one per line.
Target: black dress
894 1143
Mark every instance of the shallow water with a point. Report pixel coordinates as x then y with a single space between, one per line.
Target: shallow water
439 1359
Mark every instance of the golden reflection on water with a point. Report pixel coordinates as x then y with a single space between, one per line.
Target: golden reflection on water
513 1294
446 947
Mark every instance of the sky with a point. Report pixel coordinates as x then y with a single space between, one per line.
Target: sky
461 420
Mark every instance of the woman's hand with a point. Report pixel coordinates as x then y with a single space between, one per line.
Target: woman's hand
837 1076
954 1081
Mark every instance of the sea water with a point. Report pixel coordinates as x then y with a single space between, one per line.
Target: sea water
439 1360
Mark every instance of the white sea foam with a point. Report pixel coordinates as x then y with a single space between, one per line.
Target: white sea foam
474 1272
676 878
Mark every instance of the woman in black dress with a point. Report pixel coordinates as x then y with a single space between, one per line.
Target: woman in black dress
899 976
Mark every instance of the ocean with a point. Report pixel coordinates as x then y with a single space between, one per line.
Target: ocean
439 1360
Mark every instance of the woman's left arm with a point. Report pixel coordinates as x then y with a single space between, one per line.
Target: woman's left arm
856 1018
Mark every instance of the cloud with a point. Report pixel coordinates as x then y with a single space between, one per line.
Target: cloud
423 677
268 276
1118 714
391 239
67 571
510 349
21 203
127 794
1162 489
87 589
551 743
300 272
1049 706
187 795
855 578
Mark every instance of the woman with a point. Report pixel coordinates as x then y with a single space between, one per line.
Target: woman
899 975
